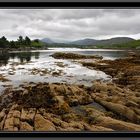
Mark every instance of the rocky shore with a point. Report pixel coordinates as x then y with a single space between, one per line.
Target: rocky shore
61 55
112 106
125 72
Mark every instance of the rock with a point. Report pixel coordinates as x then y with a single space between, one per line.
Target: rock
24 126
2 114
15 107
75 124
131 103
2 123
9 124
71 129
3 79
111 123
74 102
59 99
49 107
11 72
16 114
12 120
118 125
121 110
96 128
16 122
60 55
42 124
28 115
15 129
69 117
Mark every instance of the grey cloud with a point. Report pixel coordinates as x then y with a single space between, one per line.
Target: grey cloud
69 24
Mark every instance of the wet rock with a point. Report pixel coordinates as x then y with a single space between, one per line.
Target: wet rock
56 73
42 124
125 72
60 55
24 126
2 114
111 123
121 110
9 124
34 105
77 124
61 64
59 99
3 79
70 117
131 103
71 129
11 72
16 122
28 115
96 128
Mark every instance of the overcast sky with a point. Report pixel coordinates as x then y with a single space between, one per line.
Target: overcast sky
70 24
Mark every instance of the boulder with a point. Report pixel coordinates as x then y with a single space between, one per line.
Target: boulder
28 115
42 124
111 123
24 126
120 110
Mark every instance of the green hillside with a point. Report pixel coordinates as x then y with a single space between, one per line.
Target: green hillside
135 44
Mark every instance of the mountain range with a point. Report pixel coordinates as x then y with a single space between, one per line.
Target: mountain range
89 41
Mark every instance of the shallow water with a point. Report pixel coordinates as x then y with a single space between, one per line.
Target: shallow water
80 109
17 66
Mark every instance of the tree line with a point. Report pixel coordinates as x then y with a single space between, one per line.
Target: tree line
20 43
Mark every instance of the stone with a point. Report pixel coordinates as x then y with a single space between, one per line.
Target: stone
28 115
24 126
121 110
2 114
9 124
111 123
16 114
42 124
16 122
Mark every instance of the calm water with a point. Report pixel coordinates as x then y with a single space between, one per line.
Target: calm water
17 66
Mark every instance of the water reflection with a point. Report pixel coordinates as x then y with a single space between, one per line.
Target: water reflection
20 56
106 54
4 57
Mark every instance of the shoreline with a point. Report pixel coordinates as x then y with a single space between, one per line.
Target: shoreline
51 48
50 107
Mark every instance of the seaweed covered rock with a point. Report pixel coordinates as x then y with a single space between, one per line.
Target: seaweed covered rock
62 107
42 124
61 55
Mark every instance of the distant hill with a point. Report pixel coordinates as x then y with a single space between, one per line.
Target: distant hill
88 41
117 40
48 40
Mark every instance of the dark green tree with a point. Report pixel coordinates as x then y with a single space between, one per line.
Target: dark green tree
20 39
13 44
4 38
36 40
27 41
4 43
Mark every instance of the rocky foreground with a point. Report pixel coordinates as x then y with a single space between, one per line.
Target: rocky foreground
113 106
50 107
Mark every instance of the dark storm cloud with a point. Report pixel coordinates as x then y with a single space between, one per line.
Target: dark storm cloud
70 24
